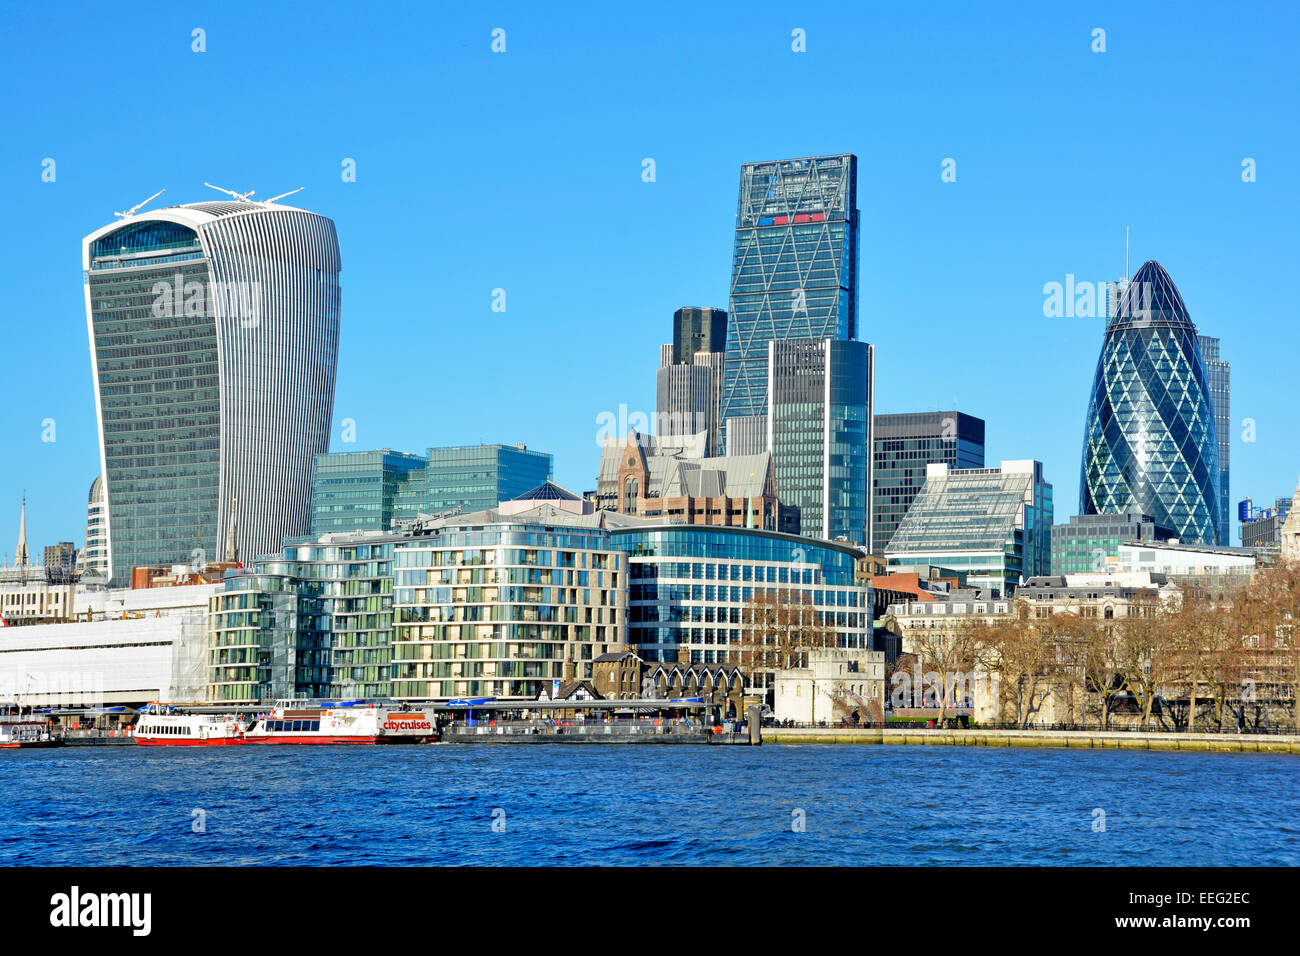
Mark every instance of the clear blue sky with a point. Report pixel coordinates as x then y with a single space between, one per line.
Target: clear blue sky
522 171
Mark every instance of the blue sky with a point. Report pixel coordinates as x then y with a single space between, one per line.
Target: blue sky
522 171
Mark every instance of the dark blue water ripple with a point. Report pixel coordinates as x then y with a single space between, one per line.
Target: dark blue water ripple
641 805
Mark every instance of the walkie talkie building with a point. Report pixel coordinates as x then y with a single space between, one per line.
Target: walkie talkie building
214 332
1150 442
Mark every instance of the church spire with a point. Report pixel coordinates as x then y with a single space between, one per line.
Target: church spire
20 554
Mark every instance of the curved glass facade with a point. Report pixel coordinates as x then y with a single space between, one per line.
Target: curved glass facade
1150 442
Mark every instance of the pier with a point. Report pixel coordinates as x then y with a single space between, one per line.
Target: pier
1073 739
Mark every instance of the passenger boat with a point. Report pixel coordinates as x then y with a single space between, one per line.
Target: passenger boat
164 725
340 722
18 731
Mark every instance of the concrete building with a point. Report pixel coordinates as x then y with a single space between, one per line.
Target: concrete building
1262 529
92 560
994 524
1218 376
837 685
125 647
213 331
689 385
1177 558
1289 545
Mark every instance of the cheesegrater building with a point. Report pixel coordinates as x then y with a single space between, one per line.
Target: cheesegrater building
1150 439
214 333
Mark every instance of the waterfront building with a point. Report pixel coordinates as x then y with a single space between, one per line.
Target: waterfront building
902 445
665 477
699 593
470 478
1218 376
1184 558
1091 542
794 267
213 333
1262 530
836 684
92 560
819 432
354 491
117 647
504 605
1150 438
315 620
992 523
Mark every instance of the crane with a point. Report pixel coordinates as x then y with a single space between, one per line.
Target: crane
132 211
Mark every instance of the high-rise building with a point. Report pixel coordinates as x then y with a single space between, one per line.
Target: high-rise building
698 330
794 268
995 524
92 560
214 344
1150 441
61 558
819 432
689 382
684 401
1218 374
903 445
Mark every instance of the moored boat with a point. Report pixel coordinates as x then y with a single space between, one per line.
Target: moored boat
340 722
164 725
23 731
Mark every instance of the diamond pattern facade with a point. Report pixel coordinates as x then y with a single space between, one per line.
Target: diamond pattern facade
794 269
1150 440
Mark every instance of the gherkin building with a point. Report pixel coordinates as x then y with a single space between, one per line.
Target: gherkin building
1149 442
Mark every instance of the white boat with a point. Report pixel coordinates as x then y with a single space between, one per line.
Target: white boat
25 730
164 725
340 722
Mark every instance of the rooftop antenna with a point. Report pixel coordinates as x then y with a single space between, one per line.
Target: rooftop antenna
131 212
282 195
242 197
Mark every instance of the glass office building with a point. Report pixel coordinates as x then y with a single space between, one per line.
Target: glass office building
214 343
689 587
995 524
1091 542
1218 375
470 478
902 445
794 268
819 430
1150 439
354 491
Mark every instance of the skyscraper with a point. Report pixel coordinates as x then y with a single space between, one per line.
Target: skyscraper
1150 441
902 446
819 431
214 343
1218 374
689 381
698 330
794 268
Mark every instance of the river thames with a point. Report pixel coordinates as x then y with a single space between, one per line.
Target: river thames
550 804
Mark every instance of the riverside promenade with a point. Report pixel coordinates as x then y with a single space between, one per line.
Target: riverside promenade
1075 739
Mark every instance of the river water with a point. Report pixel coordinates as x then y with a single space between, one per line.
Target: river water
646 805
